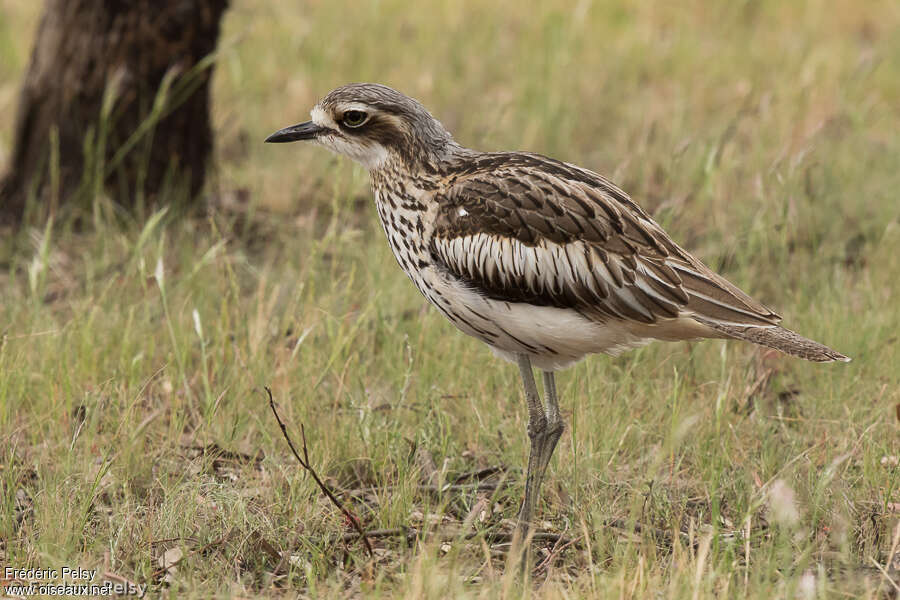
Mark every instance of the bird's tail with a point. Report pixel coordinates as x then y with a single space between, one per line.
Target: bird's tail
780 338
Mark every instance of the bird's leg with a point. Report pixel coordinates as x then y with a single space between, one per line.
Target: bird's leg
537 428
544 438
555 425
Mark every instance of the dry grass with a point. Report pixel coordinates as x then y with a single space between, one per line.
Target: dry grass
763 135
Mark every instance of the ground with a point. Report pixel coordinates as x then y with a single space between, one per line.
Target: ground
136 435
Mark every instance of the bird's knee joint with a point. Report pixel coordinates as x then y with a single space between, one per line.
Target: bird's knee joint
555 429
537 427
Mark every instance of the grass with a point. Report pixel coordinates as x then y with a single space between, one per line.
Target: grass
762 135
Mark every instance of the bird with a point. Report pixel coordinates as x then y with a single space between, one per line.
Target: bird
544 261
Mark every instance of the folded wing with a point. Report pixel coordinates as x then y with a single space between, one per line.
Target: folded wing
525 228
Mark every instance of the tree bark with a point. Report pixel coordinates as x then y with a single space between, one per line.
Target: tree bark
116 97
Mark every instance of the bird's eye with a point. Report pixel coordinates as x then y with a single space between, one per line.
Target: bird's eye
354 118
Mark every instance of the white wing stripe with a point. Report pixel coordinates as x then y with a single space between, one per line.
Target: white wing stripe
573 270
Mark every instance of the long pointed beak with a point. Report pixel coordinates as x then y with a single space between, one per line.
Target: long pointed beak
294 133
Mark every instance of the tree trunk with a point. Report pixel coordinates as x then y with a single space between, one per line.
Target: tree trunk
116 97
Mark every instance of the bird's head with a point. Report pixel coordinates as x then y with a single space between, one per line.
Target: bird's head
374 125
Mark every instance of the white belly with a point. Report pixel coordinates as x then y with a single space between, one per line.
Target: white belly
553 337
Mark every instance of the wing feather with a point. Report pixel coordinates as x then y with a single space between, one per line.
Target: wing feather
545 232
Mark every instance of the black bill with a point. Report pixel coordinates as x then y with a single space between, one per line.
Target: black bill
294 133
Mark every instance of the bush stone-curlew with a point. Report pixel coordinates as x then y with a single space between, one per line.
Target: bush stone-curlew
543 261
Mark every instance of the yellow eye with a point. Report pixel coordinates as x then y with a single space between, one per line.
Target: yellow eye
354 118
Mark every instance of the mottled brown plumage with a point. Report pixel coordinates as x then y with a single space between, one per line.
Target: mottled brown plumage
534 200
544 261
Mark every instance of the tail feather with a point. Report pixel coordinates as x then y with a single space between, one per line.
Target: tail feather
779 338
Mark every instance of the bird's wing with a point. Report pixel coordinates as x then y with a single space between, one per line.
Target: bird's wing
526 228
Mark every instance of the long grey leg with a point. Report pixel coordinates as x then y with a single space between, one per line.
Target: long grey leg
553 415
537 425
544 429
555 425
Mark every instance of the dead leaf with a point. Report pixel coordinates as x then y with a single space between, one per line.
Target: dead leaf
168 560
481 512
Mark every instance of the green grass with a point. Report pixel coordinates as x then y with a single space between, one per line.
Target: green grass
762 135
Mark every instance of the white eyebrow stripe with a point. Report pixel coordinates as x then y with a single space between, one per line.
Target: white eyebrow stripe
321 118
345 106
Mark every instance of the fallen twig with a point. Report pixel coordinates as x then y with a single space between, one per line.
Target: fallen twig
406 532
558 547
434 489
886 575
218 453
412 533
480 474
304 462
636 527
507 538
666 537
202 550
